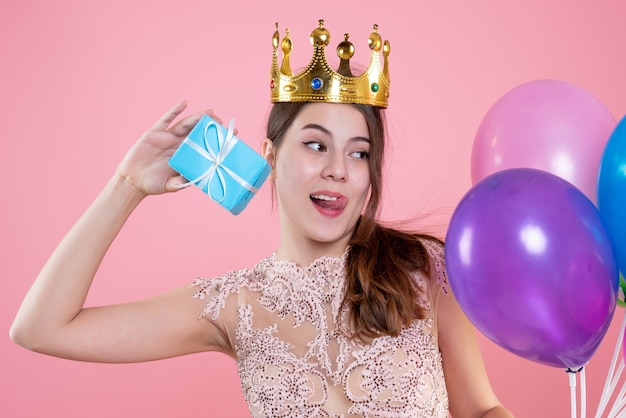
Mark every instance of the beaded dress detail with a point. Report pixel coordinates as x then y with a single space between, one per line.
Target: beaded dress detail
294 359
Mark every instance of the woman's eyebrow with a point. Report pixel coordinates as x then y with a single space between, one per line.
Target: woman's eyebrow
317 127
327 132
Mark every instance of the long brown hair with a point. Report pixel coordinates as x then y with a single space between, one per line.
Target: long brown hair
380 291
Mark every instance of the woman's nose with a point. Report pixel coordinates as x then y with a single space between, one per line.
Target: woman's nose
335 167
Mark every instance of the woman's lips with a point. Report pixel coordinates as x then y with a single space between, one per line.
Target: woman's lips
329 204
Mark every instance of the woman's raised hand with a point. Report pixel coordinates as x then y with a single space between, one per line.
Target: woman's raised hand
145 166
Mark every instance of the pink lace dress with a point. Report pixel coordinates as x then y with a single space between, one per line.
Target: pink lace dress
294 359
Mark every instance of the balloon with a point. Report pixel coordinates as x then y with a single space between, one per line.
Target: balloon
532 266
612 191
550 125
621 292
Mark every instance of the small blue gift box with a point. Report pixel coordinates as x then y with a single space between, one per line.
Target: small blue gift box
220 164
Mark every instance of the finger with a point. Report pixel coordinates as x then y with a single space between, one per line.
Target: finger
217 118
184 126
169 116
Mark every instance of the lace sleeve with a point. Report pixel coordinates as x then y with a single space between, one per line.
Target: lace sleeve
436 252
218 291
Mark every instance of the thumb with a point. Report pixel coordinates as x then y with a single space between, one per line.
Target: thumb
176 183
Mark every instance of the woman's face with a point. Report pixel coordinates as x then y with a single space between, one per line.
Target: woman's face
321 177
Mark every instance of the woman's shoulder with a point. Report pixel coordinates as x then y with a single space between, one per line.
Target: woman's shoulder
435 249
217 289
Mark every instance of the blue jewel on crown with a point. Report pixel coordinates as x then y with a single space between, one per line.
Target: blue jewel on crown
317 83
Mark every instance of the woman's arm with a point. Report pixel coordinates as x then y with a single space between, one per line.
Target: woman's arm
469 391
52 319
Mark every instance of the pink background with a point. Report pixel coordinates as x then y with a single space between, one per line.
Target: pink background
82 79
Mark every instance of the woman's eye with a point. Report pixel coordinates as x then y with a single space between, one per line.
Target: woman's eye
316 146
362 155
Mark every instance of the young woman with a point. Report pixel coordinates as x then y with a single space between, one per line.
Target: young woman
346 318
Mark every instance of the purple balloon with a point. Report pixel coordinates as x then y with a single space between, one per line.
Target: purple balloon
532 266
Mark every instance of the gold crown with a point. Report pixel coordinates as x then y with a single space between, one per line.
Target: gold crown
318 82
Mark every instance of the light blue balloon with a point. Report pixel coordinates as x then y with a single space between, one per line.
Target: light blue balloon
612 191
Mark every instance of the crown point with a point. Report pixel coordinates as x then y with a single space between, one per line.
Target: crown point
345 49
386 50
375 41
286 45
276 37
320 37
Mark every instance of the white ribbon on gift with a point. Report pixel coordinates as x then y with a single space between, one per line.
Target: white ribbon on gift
225 146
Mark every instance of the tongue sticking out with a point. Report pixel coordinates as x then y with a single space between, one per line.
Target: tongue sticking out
332 204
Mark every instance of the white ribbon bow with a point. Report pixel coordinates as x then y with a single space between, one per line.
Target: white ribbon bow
225 146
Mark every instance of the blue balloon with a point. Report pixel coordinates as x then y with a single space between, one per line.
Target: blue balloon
612 191
532 266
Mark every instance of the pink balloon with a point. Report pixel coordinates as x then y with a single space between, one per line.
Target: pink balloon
551 125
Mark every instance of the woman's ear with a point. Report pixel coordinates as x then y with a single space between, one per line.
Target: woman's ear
268 152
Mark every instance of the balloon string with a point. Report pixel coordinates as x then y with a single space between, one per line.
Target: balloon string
612 376
619 404
606 396
572 391
622 414
583 394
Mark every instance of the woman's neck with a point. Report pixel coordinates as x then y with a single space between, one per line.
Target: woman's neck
303 252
